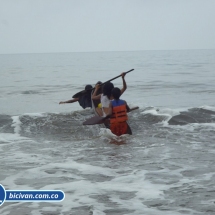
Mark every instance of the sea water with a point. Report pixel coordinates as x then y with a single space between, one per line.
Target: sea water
166 167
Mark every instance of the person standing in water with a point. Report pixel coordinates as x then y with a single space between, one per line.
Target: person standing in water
84 100
105 96
118 114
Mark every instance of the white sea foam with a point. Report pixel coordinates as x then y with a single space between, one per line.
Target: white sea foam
193 126
82 190
170 112
108 135
35 114
152 111
166 113
158 113
97 212
16 124
105 132
208 107
10 138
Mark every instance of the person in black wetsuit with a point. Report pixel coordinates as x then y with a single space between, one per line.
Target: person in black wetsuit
84 100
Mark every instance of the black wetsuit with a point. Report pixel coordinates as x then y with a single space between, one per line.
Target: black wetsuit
85 100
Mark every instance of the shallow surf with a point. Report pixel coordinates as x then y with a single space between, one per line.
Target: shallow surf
165 167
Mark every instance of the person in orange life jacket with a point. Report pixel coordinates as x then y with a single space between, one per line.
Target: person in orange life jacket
84 100
105 97
118 114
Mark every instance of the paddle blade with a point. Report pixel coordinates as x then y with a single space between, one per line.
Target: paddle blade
94 120
81 93
134 108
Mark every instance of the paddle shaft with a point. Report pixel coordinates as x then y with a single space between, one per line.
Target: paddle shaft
84 91
115 78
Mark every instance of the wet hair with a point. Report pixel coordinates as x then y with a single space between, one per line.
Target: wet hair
107 88
99 82
88 87
100 89
116 93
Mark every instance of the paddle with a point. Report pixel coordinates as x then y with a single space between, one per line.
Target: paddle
77 95
99 120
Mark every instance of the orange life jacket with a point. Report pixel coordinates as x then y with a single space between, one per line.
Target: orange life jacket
119 114
118 124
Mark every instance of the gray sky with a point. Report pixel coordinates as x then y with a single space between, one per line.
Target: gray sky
37 26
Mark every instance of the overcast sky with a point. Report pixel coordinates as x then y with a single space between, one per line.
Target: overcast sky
38 26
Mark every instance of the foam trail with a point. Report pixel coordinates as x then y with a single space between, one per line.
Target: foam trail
34 114
9 138
112 138
208 107
97 212
16 124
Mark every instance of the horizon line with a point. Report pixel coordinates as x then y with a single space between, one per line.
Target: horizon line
61 52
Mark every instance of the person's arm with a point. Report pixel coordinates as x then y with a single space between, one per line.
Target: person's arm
94 96
124 83
127 107
70 101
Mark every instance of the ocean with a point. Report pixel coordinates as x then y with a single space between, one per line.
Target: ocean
167 167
